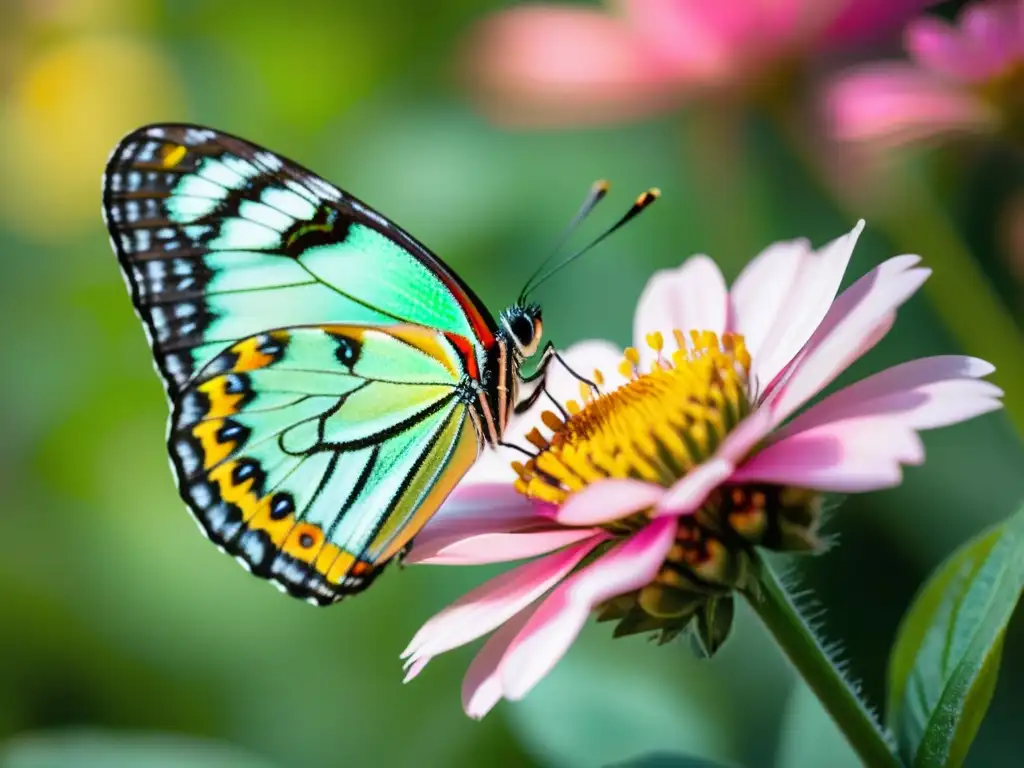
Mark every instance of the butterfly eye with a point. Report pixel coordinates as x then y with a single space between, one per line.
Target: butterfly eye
523 330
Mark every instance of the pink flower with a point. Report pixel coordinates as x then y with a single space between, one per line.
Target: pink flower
642 503
960 80
551 64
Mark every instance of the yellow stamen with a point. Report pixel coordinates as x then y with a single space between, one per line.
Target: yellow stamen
655 427
537 439
551 421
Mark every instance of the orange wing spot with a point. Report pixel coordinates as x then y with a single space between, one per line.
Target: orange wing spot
340 567
361 568
173 155
302 541
222 402
214 451
250 356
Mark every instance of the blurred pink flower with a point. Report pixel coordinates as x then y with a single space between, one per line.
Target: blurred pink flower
550 64
961 76
615 503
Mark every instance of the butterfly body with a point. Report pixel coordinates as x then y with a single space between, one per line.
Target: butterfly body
330 379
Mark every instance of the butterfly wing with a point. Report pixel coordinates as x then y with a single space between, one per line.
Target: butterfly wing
313 454
220 239
314 353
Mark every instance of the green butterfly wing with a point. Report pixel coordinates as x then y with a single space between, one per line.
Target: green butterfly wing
316 355
220 239
314 454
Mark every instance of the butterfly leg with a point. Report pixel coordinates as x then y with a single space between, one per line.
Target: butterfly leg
549 354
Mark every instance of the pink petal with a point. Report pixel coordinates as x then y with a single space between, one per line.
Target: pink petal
483 548
896 103
995 30
608 500
709 41
864 20
690 492
746 435
803 307
941 48
849 329
492 603
760 292
472 510
484 508
556 623
923 394
550 65
481 688
690 297
853 455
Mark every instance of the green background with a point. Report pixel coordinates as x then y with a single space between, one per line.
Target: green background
125 633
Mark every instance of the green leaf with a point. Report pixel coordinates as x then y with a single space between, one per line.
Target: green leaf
945 662
670 760
99 749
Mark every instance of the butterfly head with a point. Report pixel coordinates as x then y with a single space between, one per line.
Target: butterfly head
522 325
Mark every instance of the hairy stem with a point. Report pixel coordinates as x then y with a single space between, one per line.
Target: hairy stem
801 645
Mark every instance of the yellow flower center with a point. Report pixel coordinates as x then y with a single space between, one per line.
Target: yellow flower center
656 427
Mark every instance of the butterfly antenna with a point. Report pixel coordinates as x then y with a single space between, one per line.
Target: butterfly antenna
642 202
597 192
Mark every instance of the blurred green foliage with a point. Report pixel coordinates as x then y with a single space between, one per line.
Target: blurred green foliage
120 619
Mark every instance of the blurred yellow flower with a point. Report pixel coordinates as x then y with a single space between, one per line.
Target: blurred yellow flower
67 106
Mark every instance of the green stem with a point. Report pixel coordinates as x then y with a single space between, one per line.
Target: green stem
796 637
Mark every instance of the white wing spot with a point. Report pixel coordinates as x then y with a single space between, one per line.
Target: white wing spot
323 188
303 190
195 136
239 234
268 160
265 215
148 151
201 494
289 202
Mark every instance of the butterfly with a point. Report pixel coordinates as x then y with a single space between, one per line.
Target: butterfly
330 379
